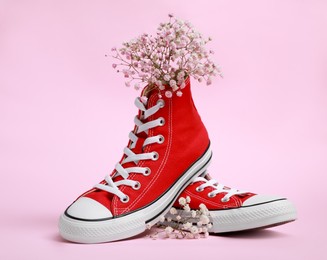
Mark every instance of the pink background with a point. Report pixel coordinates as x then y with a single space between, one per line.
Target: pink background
65 116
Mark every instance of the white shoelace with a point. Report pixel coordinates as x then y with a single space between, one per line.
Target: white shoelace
113 187
218 188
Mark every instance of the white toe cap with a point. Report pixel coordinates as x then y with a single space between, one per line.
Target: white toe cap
259 199
88 209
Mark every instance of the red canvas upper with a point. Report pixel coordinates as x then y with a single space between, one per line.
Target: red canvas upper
212 203
185 141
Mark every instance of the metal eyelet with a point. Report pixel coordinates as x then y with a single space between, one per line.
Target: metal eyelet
161 139
224 200
211 195
162 121
198 189
155 156
125 199
136 186
161 102
147 171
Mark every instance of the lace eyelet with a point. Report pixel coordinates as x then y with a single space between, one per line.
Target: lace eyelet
198 189
224 200
162 121
125 199
161 139
211 195
161 102
155 156
147 171
136 186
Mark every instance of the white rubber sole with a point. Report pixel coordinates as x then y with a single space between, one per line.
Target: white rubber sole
263 215
132 224
252 217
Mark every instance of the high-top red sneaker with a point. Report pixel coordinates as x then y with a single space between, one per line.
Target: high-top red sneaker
234 210
168 147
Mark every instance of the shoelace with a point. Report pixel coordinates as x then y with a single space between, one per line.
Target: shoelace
218 188
113 187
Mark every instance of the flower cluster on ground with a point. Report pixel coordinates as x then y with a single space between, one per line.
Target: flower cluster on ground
165 60
184 222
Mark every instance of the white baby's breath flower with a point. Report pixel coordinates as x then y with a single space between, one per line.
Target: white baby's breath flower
187 225
173 211
188 199
168 94
199 223
178 218
193 213
209 225
204 219
182 201
162 219
187 208
172 83
167 77
168 230
194 230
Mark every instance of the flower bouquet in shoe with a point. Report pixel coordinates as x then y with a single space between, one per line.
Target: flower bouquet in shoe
168 147
165 60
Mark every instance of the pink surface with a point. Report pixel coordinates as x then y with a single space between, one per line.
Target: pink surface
65 117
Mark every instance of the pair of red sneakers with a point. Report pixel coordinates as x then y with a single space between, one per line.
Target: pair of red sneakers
166 157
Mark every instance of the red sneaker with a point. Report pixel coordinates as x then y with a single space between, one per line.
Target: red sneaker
234 210
168 147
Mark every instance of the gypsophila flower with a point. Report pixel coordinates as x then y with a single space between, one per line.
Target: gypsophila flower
168 230
194 230
187 225
204 219
184 223
176 52
173 211
187 208
182 201
168 94
162 218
